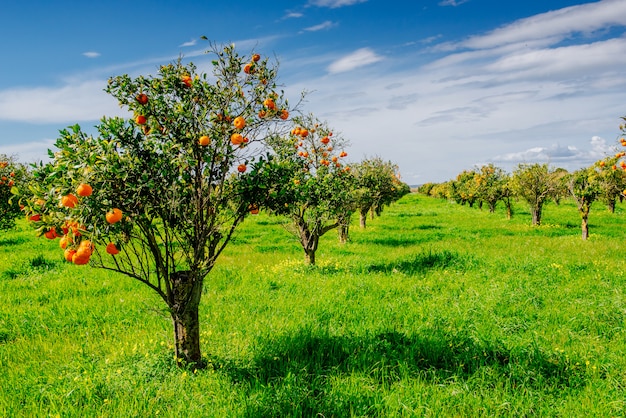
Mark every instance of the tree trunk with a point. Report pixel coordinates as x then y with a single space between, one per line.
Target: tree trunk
611 205
344 229
536 212
492 207
186 294
585 228
509 211
363 219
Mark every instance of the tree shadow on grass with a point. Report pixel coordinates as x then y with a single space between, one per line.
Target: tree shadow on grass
298 374
422 262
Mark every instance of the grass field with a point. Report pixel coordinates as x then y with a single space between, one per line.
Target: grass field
434 310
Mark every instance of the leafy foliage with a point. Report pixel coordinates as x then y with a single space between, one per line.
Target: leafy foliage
169 185
313 187
13 177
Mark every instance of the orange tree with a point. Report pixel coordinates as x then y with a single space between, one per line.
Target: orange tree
465 188
377 185
492 182
612 179
312 186
584 187
12 176
158 196
534 183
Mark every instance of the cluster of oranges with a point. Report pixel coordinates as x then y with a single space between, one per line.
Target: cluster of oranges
7 180
324 149
71 230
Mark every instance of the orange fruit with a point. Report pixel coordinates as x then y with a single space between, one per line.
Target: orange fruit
204 140
284 114
142 98
247 68
304 133
84 190
325 140
112 249
269 103
64 241
80 259
69 201
343 154
236 138
239 122
242 168
187 80
51 233
262 114
114 215
69 254
140 120
256 57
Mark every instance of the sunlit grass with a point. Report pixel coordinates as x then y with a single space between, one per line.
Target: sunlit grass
434 310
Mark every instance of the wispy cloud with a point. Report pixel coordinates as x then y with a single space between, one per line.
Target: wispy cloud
293 15
325 25
333 4
193 42
558 154
91 54
452 2
555 25
358 58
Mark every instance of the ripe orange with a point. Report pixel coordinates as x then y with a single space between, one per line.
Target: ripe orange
51 233
69 254
114 215
256 57
35 218
80 259
304 133
84 190
262 114
325 140
187 80
204 140
142 98
140 120
64 241
236 138
242 168
69 201
284 114
239 122
112 249
269 103
247 68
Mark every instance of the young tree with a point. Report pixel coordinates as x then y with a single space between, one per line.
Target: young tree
584 187
491 185
377 185
534 183
466 187
611 179
13 176
312 187
159 196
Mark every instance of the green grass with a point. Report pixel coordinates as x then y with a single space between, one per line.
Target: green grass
434 310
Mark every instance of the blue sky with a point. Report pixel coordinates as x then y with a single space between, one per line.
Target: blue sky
436 86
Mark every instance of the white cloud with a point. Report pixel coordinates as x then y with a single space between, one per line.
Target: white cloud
358 58
193 42
556 25
325 25
71 103
333 4
452 2
293 15
91 54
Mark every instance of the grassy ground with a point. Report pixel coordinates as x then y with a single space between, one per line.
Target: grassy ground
434 310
